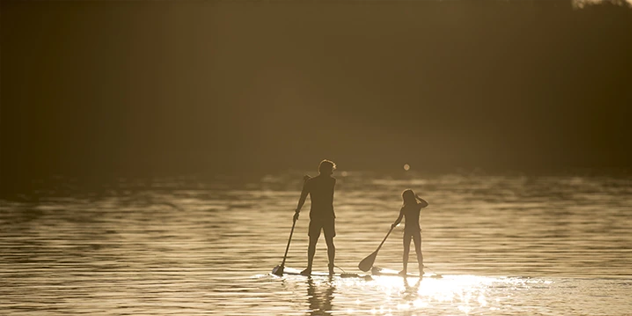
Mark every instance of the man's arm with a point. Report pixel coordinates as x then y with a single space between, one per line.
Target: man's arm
303 197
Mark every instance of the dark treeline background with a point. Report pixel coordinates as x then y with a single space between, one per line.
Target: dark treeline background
100 89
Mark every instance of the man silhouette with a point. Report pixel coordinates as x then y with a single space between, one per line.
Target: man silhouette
321 215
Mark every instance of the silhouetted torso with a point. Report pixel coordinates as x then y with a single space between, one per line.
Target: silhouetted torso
411 213
321 190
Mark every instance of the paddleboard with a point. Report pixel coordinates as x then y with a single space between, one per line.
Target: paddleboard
390 272
292 271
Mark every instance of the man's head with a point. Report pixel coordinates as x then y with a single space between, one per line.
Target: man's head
326 167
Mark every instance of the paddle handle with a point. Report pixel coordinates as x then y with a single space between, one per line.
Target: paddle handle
383 240
288 244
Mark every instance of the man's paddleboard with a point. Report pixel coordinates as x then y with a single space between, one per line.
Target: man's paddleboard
292 271
390 272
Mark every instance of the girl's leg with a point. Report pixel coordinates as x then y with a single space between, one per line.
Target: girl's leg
406 252
420 257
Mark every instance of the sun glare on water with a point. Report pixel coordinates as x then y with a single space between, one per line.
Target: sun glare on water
463 294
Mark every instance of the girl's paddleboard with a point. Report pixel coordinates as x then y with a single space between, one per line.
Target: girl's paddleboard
389 272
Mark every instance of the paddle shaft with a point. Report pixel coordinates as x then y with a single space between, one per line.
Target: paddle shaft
380 246
288 244
287 248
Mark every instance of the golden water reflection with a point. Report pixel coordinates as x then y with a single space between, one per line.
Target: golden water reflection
463 293
320 301
184 250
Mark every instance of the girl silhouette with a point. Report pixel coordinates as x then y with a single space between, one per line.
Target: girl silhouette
410 209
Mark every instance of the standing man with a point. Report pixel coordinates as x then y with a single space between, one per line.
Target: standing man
321 215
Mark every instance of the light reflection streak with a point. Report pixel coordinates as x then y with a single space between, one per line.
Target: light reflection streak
467 293
388 295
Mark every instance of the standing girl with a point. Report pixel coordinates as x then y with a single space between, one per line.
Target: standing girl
410 209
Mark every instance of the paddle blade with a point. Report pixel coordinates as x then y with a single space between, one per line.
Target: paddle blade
366 264
278 270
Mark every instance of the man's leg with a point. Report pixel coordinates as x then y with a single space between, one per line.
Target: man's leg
311 251
331 253
330 233
314 234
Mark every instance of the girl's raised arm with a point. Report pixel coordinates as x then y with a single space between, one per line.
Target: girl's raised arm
421 201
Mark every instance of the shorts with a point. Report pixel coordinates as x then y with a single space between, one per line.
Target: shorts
327 225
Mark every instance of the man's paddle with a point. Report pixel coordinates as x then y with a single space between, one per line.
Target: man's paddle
278 270
366 264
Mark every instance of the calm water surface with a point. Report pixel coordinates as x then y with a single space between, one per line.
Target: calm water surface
505 245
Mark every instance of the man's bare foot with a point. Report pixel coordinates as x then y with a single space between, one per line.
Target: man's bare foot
307 271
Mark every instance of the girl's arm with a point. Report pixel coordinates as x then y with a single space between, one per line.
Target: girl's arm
422 202
399 218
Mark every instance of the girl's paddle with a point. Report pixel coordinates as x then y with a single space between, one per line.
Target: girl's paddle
367 263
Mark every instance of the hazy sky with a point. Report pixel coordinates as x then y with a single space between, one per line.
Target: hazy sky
102 87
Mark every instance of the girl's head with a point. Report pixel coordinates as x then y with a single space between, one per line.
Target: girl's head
409 197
